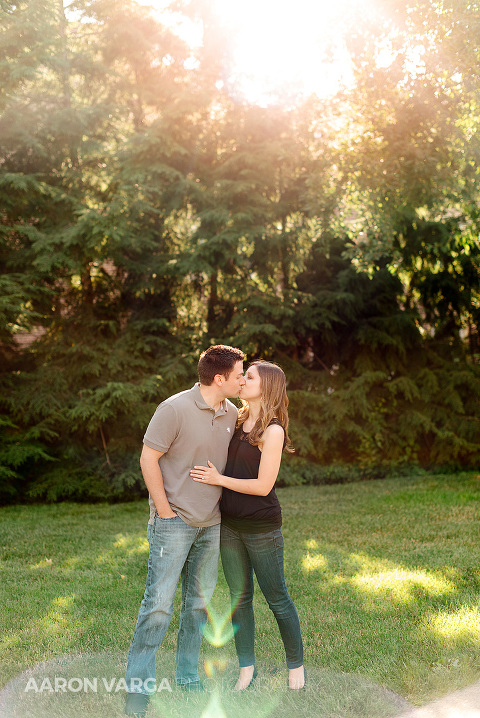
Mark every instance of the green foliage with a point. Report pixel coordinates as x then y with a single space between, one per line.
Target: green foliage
147 213
298 472
19 453
90 397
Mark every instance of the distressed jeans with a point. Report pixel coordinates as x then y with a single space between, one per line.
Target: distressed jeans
176 550
242 554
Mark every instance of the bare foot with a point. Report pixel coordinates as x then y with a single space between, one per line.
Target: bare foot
245 678
296 678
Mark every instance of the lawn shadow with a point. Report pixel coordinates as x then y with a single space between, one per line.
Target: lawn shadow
74 685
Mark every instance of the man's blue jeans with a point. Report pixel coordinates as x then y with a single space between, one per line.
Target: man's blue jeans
176 549
242 553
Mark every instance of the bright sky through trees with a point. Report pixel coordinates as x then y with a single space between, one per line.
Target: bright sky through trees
282 47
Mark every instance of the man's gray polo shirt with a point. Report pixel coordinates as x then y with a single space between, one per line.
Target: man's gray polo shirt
190 433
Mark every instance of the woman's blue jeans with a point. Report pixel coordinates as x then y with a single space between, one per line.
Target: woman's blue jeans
176 549
242 554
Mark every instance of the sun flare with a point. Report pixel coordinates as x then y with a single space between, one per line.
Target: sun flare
280 47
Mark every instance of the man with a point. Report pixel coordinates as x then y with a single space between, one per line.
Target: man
189 428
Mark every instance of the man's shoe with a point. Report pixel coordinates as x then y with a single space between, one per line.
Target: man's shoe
192 687
136 704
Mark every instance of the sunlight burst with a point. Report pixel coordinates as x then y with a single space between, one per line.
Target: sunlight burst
281 48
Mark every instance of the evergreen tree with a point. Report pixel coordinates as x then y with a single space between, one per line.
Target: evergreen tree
147 212
75 259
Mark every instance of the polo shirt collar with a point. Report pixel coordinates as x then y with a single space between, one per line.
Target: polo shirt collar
202 404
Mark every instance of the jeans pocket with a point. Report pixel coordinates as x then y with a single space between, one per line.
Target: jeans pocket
160 525
165 518
278 539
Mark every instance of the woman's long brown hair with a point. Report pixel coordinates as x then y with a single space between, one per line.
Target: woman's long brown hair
273 403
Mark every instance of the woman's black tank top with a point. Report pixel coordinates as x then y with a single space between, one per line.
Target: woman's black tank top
246 512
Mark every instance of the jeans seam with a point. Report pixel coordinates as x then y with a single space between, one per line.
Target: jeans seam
199 533
186 583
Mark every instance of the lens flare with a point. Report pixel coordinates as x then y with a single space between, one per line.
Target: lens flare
218 630
214 708
214 666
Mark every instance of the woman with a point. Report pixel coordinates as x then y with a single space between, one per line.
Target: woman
251 535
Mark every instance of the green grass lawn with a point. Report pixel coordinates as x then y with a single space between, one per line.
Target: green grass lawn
385 576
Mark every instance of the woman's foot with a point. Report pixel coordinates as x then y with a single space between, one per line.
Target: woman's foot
246 678
296 678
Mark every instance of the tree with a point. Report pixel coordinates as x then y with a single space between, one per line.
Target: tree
147 212
76 262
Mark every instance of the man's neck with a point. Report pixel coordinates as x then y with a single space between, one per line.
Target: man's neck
212 396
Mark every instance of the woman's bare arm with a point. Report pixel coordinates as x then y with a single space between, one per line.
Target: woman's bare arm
271 448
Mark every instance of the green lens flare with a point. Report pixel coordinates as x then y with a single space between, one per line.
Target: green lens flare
218 630
214 708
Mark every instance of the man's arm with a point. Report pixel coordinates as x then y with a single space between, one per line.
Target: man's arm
152 475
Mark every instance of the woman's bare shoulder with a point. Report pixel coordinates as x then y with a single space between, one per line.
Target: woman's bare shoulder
273 430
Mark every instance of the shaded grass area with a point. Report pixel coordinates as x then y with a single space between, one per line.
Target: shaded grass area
327 694
385 576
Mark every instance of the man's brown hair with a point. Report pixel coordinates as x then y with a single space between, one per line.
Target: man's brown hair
219 359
